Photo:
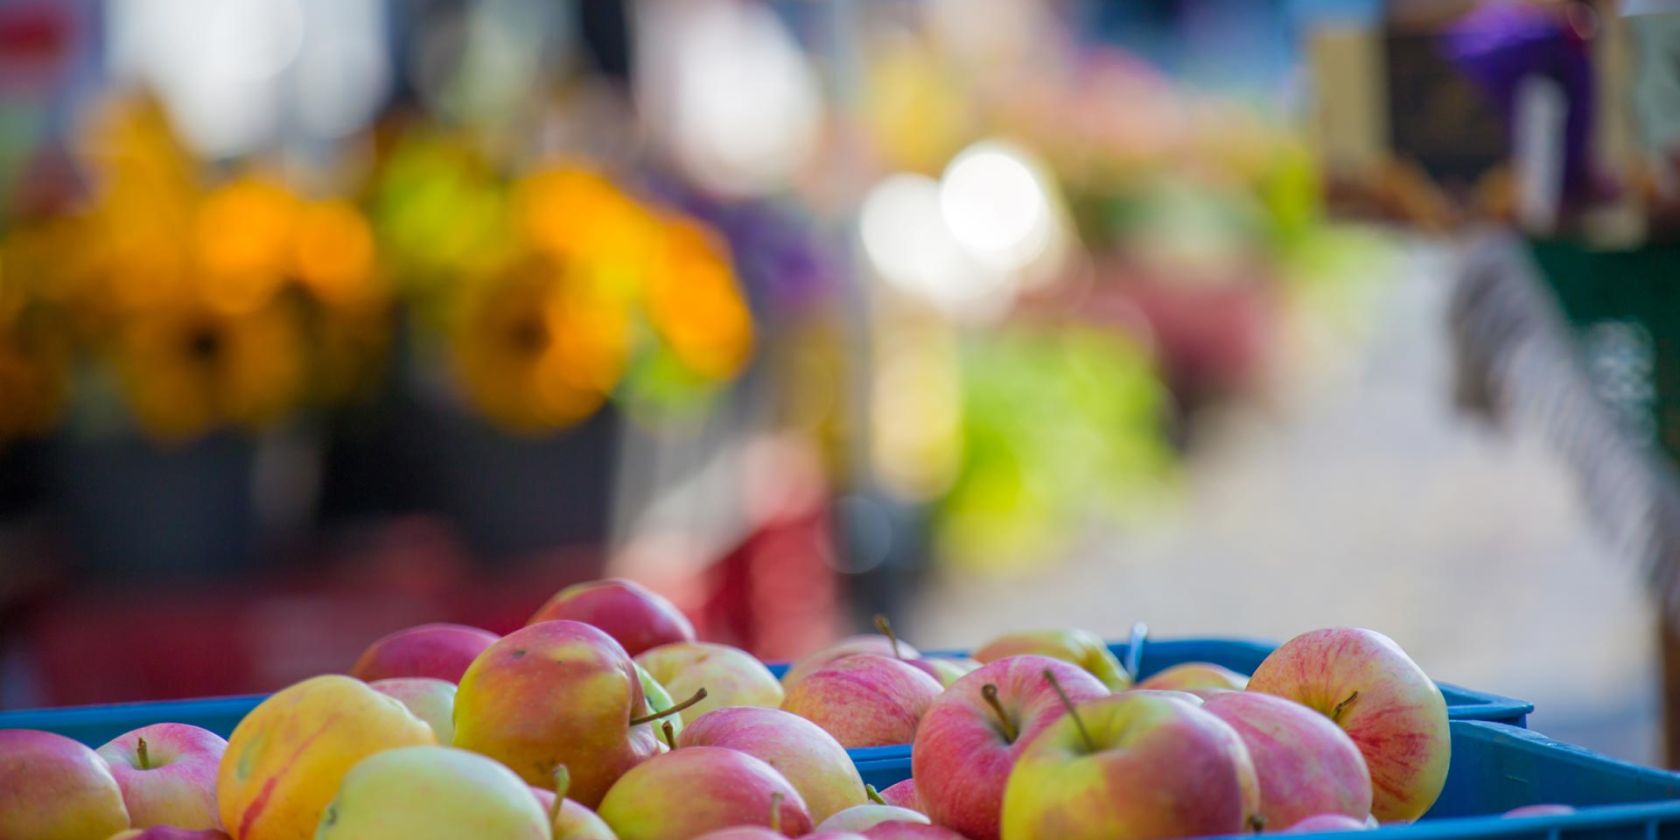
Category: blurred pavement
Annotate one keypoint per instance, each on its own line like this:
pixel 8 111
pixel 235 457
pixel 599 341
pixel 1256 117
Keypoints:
pixel 1364 498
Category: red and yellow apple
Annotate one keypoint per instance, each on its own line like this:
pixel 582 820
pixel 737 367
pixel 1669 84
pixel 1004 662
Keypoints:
pixel 53 788
pixel 1196 676
pixel 809 758
pixel 971 735
pixel 636 616
pixel 432 793
pixel 285 760
pixel 556 693
pixel 431 700
pixel 1129 767
pixel 440 651
pixel 864 700
pixel 1369 687
pixel 1306 765
pixel 869 815
pixel 731 676
pixel 904 795
pixel 874 643
pixel 1082 648
pixel 167 773
pixel 692 790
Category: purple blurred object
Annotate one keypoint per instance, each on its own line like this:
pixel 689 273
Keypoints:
pixel 1501 43
pixel 781 257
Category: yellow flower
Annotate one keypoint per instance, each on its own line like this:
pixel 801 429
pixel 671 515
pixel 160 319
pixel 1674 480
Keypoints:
pixel 695 305
pixel 540 345
pixel 242 243
pixel 570 212
pixel 332 254
pixel 190 367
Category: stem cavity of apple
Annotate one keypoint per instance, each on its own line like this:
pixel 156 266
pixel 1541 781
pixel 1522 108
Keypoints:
pixel 650 718
pixel 885 626
pixel 1067 702
pixel 874 795
pixel 1256 823
pixel 144 756
pixel 989 693
pixel 670 733
pixel 776 812
pixel 1336 713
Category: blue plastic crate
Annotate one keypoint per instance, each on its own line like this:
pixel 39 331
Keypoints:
pixel 94 725
pixel 1496 768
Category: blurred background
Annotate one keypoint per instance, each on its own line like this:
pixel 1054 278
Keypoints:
pixel 321 318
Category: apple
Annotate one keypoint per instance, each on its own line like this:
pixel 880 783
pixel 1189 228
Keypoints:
pixel 731 676
pixel 809 758
pixel 946 669
pixel 1196 676
pixel 970 737
pixel 876 644
pixel 167 773
pixel 432 793
pixel 1192 699
pixel 1370 688
pixel 53 788
pixel 864 700
pixel 285 760
pixel 431 700
pixel 440 651
pixel 636 616
pixel 693 790
pixel 904 795
pixel 1306 764
pixel 1544 810
pixel 572 820
pixel 1080 647
pixel 557 693
pixel 169 832
pixel 1131 766
pixel 906 830
pixel 861 817
pixel 1327 822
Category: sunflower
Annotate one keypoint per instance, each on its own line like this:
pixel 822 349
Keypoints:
pixel 540 345
pixel 695 305
pixel 189 367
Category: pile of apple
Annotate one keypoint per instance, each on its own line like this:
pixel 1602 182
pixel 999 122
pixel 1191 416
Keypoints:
pixel 604 718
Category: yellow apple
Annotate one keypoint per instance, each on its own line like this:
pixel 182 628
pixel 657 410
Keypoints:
pixel 286 759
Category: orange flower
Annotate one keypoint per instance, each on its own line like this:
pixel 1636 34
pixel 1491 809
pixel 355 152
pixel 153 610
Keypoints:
pixel 242 243
pixel 332 254
pixel 695 305
pixel 190 367
pixel 540 345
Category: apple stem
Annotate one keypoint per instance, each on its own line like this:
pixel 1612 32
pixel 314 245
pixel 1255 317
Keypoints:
pixel 776 812
pixel 988 692
pixel 1072 712
pixel 1256 823
pixel 562 784
pixel 698 696
pixel 670 733
pixel 885 626
pixel 145 757
pixel 874 795
pixel 1336 713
